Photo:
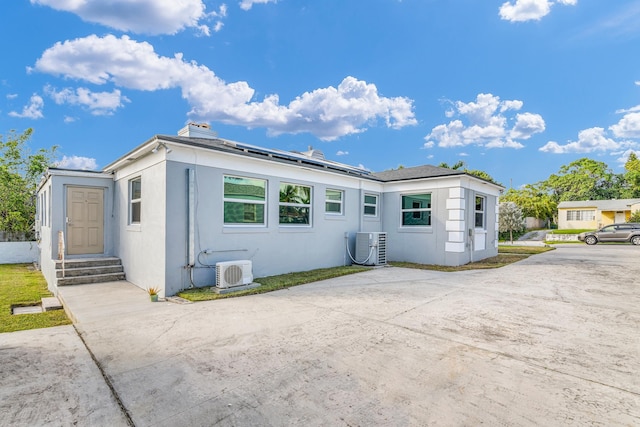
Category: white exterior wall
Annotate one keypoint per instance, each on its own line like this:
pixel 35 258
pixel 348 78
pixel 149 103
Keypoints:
pixel 18 252
pixel 53 219
pixel 448 240
pixel 142 247
pixel 155 252
pixel 272 248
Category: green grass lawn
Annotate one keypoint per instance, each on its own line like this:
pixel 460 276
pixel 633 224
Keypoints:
pixel 526 250
pixel 273 283
pixel 567 231
pixel 506 255
pixel 21 285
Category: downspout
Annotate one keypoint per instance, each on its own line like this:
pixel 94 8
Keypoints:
pixel 190 225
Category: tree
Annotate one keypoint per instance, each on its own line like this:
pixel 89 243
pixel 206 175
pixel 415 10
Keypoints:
pixel 19 174
pixel 458 165
pixel 475 172
pixel 510 218
pixel 632 176
pixel 534 200
pixel 584 179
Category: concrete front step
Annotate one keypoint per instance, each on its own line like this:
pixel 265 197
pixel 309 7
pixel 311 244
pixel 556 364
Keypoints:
pixel 83 280
pixel 89 271
pixel 87 262
pixel 80 271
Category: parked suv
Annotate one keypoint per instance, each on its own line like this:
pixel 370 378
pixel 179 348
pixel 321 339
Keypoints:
pixel 625 232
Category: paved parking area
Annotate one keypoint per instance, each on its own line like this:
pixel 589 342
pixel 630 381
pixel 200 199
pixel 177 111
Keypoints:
pixel 552 340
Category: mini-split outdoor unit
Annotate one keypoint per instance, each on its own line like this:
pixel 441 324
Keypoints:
pixel 371 248
pixel 233 273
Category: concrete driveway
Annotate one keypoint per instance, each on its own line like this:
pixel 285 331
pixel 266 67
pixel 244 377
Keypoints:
pixel 552 340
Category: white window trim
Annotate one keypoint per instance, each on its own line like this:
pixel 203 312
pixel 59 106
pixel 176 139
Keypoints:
pixel 255 202
pixel 365 204
pixel 297 205
pixel 337 202
pixel 403 210
pixel 132 201
pixel 483 212
pixel 580 214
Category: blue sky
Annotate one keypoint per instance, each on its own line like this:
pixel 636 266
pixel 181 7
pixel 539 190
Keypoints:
pixel 515 88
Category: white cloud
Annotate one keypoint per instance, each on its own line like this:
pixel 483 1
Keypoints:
pixel 77 162
pixel 485 123
pixel 218 26
pixel 69 119
pixel 504 143
pixel 629 110
pixel 529 10
pixel 342 153
pixel 589 140
pixel 140 16
pixel 527 125
pixel 99 103
pixel 12 95
pixel 625 156
pixel 328 113
pixel 33 110
pixel 220 14
pixel 628 126
pixel 247 4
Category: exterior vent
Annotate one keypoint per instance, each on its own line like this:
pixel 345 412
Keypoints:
pixel 233 273
pixel 371 248
pixel 198 130
pixel 314 153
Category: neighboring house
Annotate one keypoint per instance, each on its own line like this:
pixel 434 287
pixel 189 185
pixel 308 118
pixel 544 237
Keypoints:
pixel 592 214
pixel 176 205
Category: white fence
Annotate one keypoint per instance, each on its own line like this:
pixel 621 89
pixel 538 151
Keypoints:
pixel 18 252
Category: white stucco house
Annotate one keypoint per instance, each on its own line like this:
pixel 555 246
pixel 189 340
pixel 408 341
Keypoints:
pixel 175 206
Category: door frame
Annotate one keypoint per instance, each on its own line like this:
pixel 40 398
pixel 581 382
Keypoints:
pixel 67 188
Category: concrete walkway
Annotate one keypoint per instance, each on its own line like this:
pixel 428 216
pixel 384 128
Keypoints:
pixel 552 340
pixel 47 377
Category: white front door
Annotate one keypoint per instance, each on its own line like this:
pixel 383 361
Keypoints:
pixel 85 220
pixel 620 217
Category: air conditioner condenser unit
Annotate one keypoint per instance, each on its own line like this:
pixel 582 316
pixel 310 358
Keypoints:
pixel 230 274
pixel 371 248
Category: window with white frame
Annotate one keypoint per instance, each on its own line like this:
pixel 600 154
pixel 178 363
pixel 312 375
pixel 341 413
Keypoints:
pixel 480 211
pixel 295 204
pixel 244 200
pixel 416 210
pixel 581 215
pixel 43 208
pixel 370 205
pixel 135 200
pixel 48 208
pixel 334 202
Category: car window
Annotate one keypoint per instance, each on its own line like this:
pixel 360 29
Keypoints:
pixel 608 229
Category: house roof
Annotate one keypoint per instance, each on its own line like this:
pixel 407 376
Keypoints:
pixel 602 205
pixel 312 159
pixel 417 172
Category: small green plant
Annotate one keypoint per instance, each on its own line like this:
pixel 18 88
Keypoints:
pixel 635 216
